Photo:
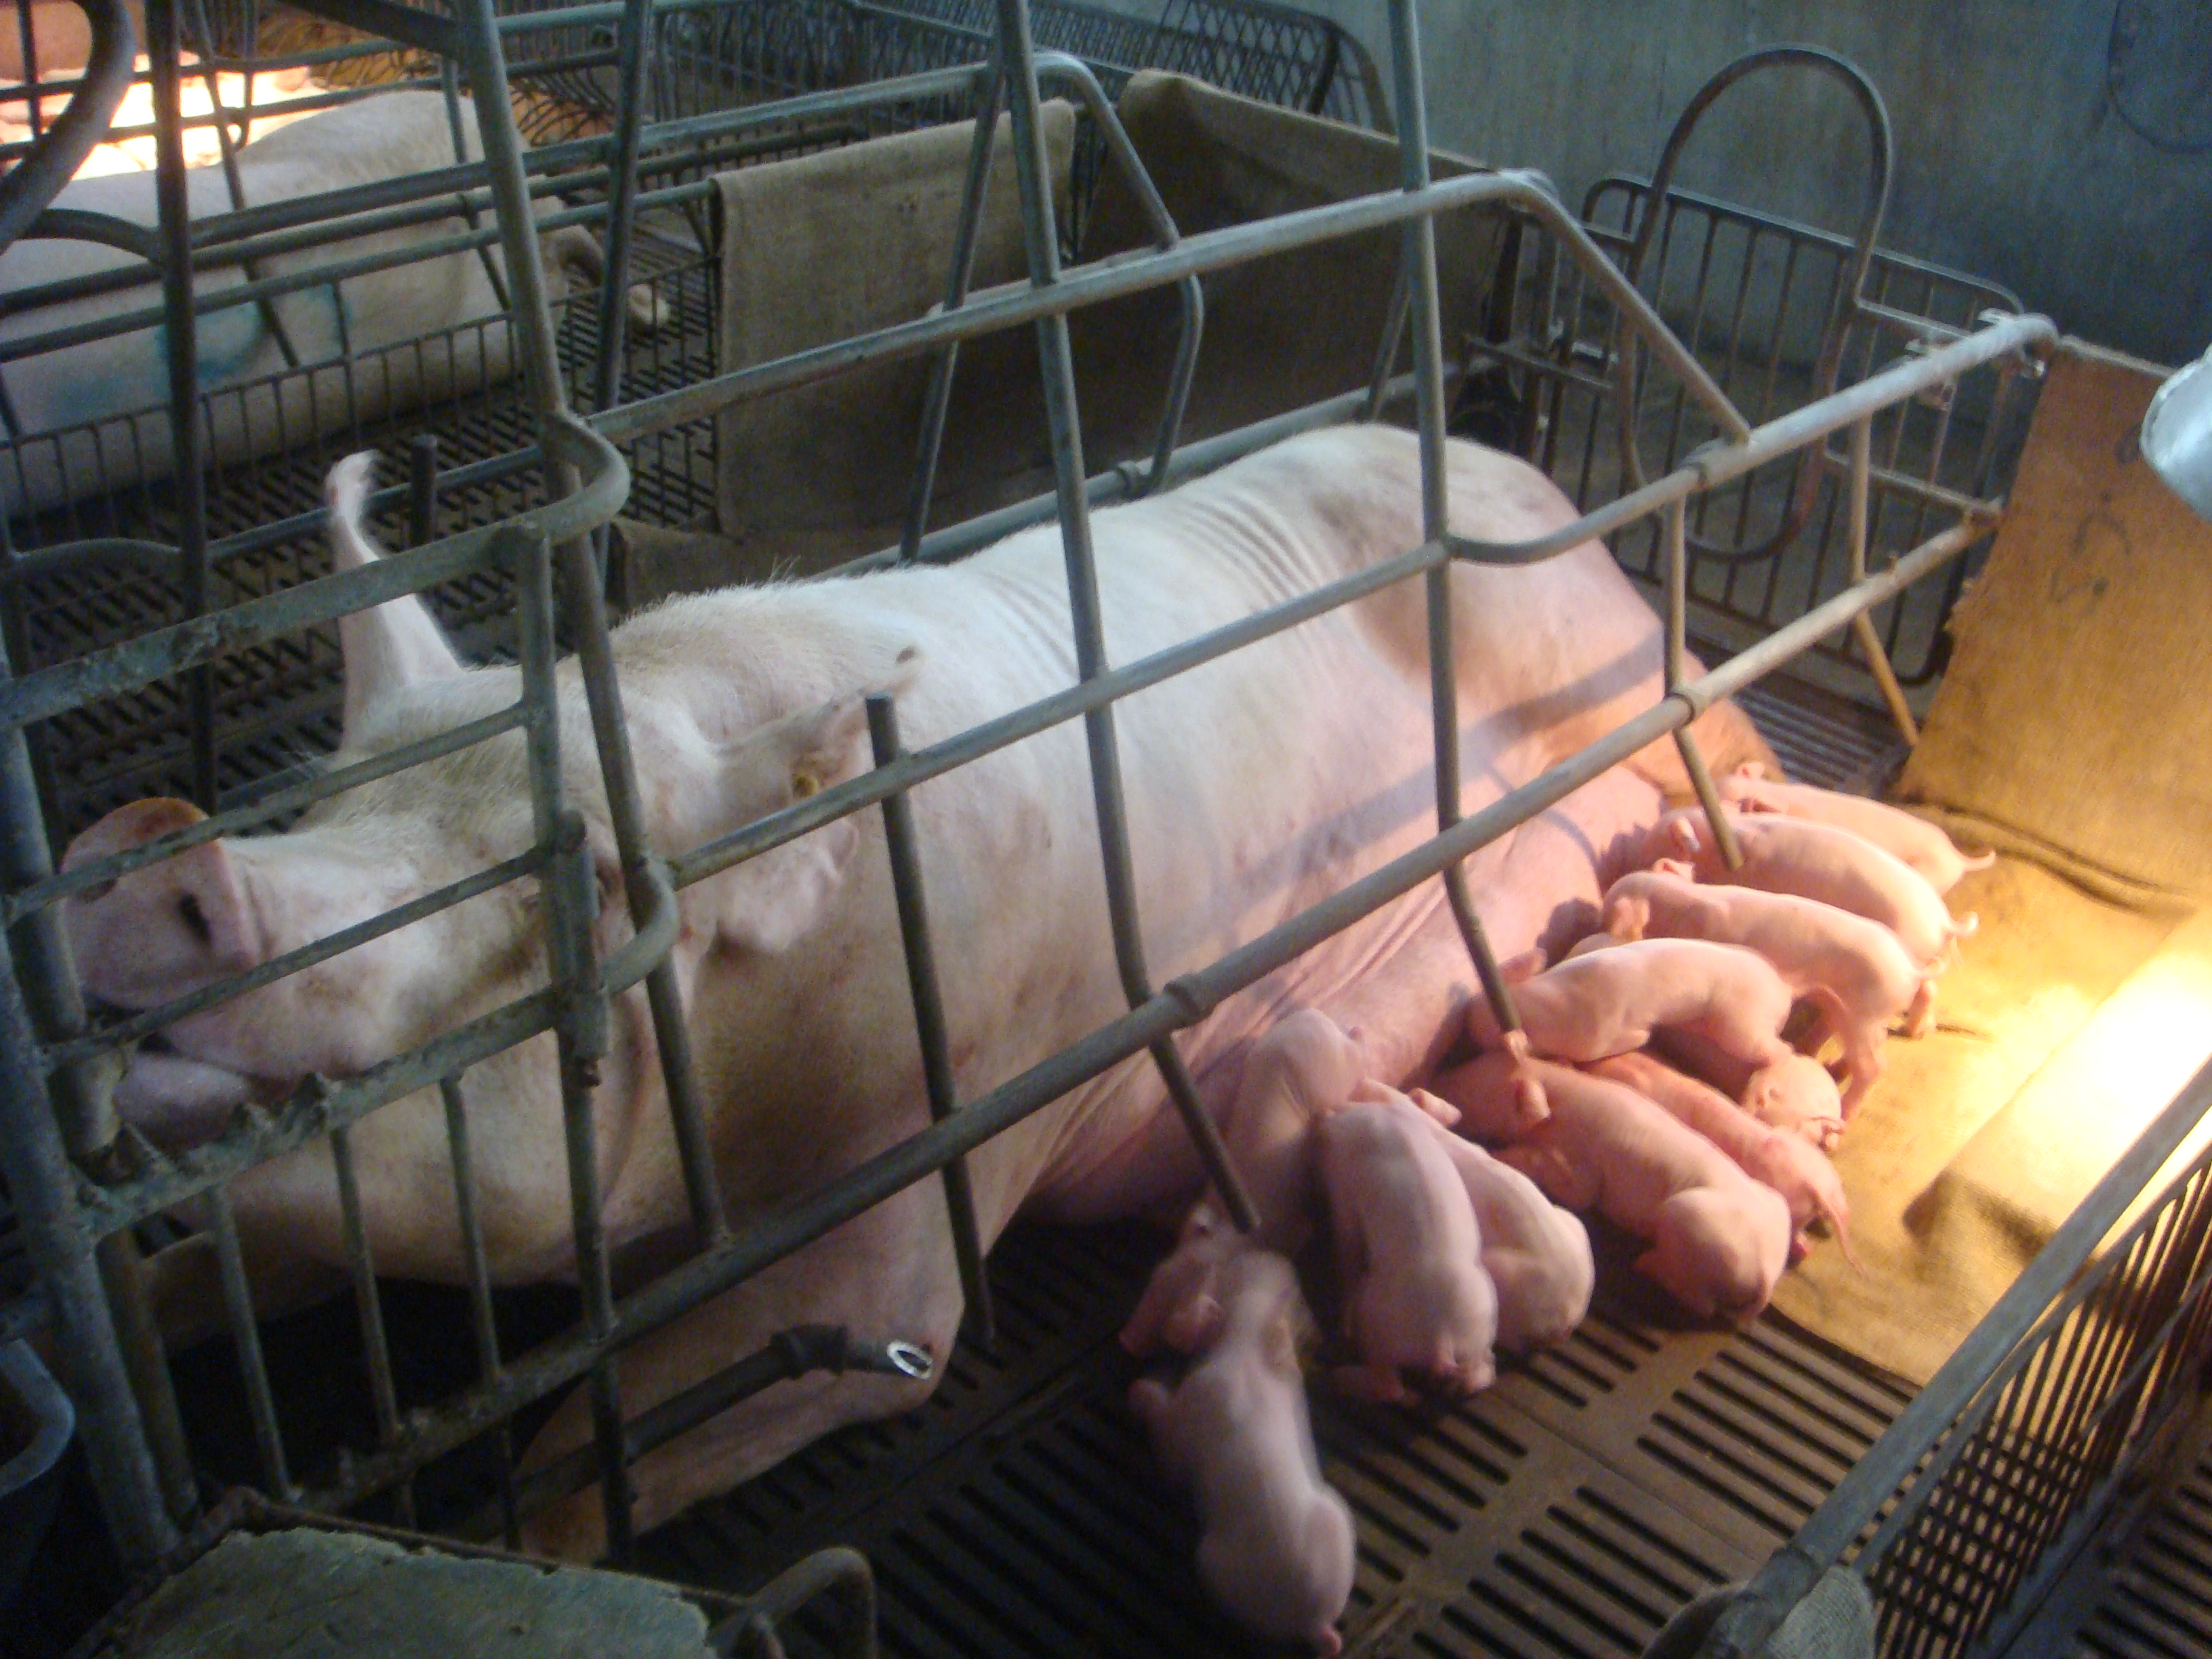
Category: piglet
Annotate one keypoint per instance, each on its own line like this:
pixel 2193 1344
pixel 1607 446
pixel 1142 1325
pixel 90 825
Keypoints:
pixel 1913 841
pixel 1610 1001
pixel 1416 1297
pixel 1276 1548
pixel 1774 1157
pixel 1817 861
pixel 1719 1240
pixel 1796 1094
pixel 1537 1255
pixel 1854 970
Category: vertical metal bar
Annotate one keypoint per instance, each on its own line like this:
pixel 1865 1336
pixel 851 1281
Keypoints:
pixel 422 488
pixel 1862 625
pixel 27 38
pixel 226 144
pixel 1676 537
pixel 238 1304
pixel 1018 66
pixel 939 399
pixel 42 1184
pixel 929 1018
pixel 631 92
pixel 1418 260
pixel 481 1319
pixel 449 83
pixel 180 331
pixel 361 1261
pixel 571 913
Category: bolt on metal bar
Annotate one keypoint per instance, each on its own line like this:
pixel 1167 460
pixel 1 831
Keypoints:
pixel 1017 69
pixel 180 345
pixel 1676 537
pixel 937 399
pixel 929 1019
pixel 1892 694
pixel 482 1321
pixel 1417 265
pixel 246 1335
pixel 360 1264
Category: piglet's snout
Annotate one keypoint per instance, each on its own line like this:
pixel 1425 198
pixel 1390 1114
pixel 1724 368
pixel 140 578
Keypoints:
pixel 168 929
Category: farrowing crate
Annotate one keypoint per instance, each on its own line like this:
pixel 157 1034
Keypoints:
pixel 67 1203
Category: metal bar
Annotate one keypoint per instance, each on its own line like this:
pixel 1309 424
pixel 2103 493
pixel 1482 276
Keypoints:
pixel 180 345
pixel 412 26
pixel 1417 264
pixel 1195 255
pixel 1182 1003
pixel 38 896
pixel 929 1019
pixel 636 44
pixel 145 1023
pixel 422 488
pixel 170 650
pixel 246 1334
pixel 1018 71
pixel 360 1264
pixel 54 155
pixel 40 1181
pixel 937 399
pixel 482 1320
pixel 1877 659
pixel 1674 537
pixel 226 144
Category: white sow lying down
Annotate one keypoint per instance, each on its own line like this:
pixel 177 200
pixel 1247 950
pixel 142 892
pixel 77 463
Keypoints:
pixel 1254 786
pixel 100 380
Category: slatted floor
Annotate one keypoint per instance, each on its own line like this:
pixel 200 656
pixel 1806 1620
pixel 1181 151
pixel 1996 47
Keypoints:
pixel 2157 1602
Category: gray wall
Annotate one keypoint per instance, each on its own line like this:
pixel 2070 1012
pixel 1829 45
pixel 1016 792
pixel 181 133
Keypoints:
pixel 2011 161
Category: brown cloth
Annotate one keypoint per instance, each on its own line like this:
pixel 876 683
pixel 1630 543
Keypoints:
pixel 821 248
pixel 2071 734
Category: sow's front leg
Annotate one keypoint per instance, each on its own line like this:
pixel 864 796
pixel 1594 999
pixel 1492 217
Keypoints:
pixel 886 1275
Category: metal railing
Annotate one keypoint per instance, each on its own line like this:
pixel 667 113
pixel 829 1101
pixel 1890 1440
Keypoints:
pixel 1978 1495
pixel 83 1180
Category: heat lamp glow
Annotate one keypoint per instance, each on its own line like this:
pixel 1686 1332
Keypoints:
pixel 269 92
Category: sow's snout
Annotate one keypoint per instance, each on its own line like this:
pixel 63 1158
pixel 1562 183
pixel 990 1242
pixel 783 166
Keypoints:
pixel 158 933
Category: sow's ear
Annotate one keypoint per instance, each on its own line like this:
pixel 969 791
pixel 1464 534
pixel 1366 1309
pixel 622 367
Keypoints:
pixel 771 901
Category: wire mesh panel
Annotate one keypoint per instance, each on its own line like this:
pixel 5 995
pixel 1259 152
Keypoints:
pixel 1752 296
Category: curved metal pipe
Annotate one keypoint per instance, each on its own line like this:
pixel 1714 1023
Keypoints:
pixel 54 160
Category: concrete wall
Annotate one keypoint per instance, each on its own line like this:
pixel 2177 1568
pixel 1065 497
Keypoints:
pixel 2014 160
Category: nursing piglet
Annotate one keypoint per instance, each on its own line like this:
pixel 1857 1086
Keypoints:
pixel 1719 1240
pixel 1816 861
pixel 1796 1094
pixel 1416 1297
pixel 1771 1157
pixel 1537 1255
pixel 1853 970
pixel 1912 840
pixel 1610 1001
pixel 1276 1548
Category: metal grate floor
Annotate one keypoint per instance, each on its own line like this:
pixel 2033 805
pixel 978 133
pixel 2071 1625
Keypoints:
pixel 1569 1510
pixel 2157 1600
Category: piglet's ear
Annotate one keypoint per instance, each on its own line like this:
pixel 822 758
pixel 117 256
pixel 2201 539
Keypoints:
pixel 390 646
pixel 1684 835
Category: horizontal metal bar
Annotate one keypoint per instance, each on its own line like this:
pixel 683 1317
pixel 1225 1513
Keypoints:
pixel 1180 1003
pixel 919 766
pixel 1122 274
pixel 427 31
pixel 318 1106
pixel 184 645
pixel 102 1039
pixel 14 907
pixel 1904 484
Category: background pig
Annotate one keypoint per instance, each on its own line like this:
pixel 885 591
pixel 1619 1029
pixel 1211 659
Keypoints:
pixel 1610 1001
pixel 1719 1239
pixel 1818 861
pixel 1277 1550
pixel 1772 1157
pixel 1537 1255
pixel 1853 970
pixel 1912 840
pixel 1416 1297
